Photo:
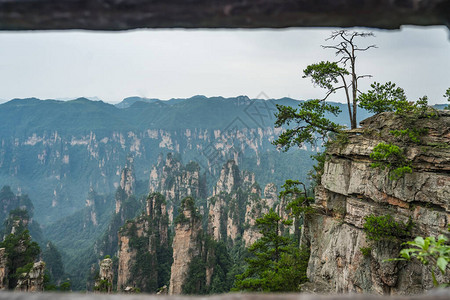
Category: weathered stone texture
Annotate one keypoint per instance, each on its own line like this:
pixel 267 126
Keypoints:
pixel 187 244
pixel 131 14
pixel 351 190
pixel 33 281
pixel 256 208
pixel 3 269
pixel 127 182
pixel 175 181
pixel 236 204
pixel 152 226
pixel 106 275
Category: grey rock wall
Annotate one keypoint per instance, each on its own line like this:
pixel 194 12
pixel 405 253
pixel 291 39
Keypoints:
pixel 351 190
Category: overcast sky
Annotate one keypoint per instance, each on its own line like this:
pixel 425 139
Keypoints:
pixel 181 63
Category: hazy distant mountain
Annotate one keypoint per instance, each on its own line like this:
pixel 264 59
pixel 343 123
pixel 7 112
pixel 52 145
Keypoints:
pixel 56 150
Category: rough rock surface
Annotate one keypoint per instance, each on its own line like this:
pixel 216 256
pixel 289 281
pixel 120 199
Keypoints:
pixel 442 294
pixel 33 281
pixel 256 208
pixel 106 275
pixel 3 269
pixel 147 235
pixel 176 181
pixel 351 190
pixel 127 181
pixel 186 245
pixel 236 203
pixel 131 14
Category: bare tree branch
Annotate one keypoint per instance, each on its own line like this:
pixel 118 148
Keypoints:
pixel 364 76
pixel 331 92
pixel 367 48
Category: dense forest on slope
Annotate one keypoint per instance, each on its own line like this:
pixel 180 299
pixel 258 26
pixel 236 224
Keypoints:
pixel 56 150
pixel 67 155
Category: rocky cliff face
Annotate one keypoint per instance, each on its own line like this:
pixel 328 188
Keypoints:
pixel 187 244
pixel 3 269
pixel 108 244
pixel 144 254
pixel 33 281
pixel 256 208
pixel 176 181
pixel 350 190
pixel 104 282
pixel 127 183
pixel 236 204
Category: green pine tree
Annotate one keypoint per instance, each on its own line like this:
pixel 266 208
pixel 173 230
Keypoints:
pixel 276 264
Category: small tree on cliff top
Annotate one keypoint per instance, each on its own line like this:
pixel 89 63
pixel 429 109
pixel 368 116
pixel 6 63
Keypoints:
pixel 331 76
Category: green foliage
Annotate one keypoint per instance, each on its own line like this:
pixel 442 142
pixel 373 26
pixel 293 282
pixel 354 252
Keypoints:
pixel 20 206
pixel 298 203
pixel 65 286
pixel 387 97
pixel 24 270
pixel 276 264
pixel 447 95
pixel 221 281
pixel 430 251
pixel 325 74
pixel 366 251
pixel 103 286
pixel 188 203
pixel 384 97
pixel 53 262
pixel 107 256
pixel 74 236
pixel 391 157
pixel 151 268
pixel 310 120
pixel 20 252
pixel 317 171
pixel 334 76
pixel 48 285
pixel 412 134
pixel 386 228
pixel 195 283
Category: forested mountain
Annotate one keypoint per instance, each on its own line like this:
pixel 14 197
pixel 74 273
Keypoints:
pixel 69 157
pixel 56 151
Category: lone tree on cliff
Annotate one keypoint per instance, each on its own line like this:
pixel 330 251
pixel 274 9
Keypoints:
pixel 332 76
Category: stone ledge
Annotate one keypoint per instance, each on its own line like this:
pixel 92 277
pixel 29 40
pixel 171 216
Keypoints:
pixel 132 14
pixel 433 295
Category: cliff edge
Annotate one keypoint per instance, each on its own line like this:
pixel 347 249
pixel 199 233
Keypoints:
pixel 343 258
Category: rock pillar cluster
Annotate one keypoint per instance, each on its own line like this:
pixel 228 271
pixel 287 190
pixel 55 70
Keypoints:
pixel 143 246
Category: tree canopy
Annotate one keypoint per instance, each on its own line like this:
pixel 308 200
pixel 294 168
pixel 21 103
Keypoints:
pixel 340 75
pixel 276 263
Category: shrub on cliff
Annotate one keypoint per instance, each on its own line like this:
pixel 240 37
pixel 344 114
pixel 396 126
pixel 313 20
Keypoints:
pixel 386 228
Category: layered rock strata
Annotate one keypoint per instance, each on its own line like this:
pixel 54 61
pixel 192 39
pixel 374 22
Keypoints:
pixel 351 189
